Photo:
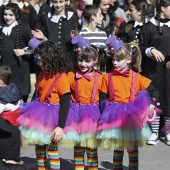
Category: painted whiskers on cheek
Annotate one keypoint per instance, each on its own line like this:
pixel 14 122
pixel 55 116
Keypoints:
pixel 120 64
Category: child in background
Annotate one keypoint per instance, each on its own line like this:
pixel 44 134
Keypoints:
pixel 93 16
pixel 108 22
pixel 56 26
pixel 10 139
pixel 9 96
pixel 42 120
pixel 85 85
pixel 125 111
pixel 97 37
pixel 130 31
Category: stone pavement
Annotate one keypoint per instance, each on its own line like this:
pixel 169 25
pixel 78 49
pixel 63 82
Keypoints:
pixel 150 158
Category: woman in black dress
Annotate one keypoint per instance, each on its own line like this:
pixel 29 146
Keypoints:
pixel 14 37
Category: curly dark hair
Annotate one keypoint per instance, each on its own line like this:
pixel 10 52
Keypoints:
pixel 52 56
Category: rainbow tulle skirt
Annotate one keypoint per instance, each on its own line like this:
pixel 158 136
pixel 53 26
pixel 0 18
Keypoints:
pixel 37 122
pixel 123 125
pixel 81 125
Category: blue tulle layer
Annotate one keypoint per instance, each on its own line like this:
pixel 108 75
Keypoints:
pixel 82 119
pixel 122 125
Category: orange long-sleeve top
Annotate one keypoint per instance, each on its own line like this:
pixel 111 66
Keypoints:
pixel 122 86
pixel 61 87
pixel 85 87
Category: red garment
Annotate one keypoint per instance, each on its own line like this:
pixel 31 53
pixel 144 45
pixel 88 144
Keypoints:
pixel 11 116
pixel 118 22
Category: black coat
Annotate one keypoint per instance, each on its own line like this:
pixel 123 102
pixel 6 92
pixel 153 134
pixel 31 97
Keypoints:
pixel 18 65
pixel 154 70
pixel 60 32
pixel 29 18
pixel 133 34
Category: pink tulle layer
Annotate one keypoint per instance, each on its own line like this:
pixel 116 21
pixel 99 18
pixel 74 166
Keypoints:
pixel 40 116
pixel 122 115
pixel 83 118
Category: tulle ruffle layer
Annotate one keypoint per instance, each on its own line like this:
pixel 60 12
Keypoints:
pixel 120 124
pixel 82 119
pixel 37 122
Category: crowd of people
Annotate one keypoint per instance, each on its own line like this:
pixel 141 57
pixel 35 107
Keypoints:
pixel 102 79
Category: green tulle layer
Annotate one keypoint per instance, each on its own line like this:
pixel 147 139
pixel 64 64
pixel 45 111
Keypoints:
pixel 116 138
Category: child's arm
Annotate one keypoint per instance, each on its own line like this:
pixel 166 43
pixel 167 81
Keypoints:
pixel 64 108
pixel 102 96
pixel 154 94
pixel 39 34
pixel 154 97
pixel 63 112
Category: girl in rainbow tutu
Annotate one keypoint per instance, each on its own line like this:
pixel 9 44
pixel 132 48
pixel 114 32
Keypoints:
pixel 130 100
pixel 84 113
pixel 42 120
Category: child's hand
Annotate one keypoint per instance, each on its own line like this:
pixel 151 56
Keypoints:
pixel 135 42
pixel 151 108
pixel 19 52
pixel 152 113
pixel 158 55
pixel 57 134
pixel 73 33
pixel 38 34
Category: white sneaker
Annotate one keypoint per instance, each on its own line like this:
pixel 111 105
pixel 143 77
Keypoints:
pixel 167 139
pixel 153 140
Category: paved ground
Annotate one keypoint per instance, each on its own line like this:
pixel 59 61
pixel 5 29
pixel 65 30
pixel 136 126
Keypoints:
pixel 150 157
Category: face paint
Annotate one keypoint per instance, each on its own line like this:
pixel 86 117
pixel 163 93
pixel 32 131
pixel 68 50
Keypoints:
pixel 120 64
pixel 85 65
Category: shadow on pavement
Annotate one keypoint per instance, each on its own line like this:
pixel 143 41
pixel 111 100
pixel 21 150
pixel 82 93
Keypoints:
pixel 66 164
pixel 30 163
pixel 108 165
